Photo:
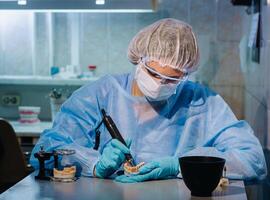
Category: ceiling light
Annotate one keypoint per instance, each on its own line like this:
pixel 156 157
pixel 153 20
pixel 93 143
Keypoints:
pixel 102 6
pixel 100 2
pixel 80 11
pixel 22 2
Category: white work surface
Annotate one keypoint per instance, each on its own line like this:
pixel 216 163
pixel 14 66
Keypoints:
pixel 29 130
pixel 94 188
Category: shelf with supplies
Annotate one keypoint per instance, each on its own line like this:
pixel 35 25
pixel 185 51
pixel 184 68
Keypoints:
pixel 43 80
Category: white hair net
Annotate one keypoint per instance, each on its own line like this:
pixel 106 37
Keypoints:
pixel 169 42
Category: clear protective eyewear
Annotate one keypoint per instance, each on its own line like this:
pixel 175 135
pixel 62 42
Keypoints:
pixel 163 78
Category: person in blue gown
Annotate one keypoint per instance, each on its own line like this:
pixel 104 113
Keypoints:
pixel 160 113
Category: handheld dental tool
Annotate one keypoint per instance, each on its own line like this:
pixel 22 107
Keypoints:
pixel 115 134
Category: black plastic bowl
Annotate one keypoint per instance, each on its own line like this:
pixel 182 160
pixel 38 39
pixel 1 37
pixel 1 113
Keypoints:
pixel 201 174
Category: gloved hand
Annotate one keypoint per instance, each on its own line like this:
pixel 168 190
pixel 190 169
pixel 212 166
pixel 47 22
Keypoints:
pixel 157 169
pixel 112 157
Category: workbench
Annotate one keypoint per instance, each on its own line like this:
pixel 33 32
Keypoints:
pixel 98 189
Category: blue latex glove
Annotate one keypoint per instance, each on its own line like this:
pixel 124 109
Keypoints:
pixel 157 169
pixel 112 158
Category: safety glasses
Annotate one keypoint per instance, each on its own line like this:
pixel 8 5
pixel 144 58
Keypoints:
pixel 163 78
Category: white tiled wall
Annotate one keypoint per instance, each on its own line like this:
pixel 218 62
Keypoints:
pixel 16 43
pixel 103 40
pixel 42 48
pixel 266 58
pixel 257 85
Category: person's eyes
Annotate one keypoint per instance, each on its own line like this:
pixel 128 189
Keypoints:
pixel 170 82
pixel 153 74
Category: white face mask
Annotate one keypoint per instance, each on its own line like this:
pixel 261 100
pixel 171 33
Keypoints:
pixel 151 88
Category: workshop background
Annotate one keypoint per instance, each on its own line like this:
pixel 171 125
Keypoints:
pixel 33 44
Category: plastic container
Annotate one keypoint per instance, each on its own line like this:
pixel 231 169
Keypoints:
pixel 66 171
pixel 54 70
pixel 57 98
pixel 91 71
pixel 201 174
pixel 56 105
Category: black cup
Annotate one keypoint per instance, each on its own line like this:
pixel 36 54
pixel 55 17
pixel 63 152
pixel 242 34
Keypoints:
pixel 201 174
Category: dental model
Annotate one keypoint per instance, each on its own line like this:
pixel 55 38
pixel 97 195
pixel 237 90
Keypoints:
pixel 130 170
pixel 223 182
pixel 66 173
pixel 222 185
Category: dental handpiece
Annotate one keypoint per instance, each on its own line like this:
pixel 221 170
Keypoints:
pixel 114 132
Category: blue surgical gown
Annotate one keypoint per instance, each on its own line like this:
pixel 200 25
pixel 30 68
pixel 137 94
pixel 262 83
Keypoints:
pixel 193 121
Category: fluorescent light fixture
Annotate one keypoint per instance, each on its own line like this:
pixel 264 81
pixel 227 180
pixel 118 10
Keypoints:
pixel 96 6
pixel 22 2
pixel 100 2
pixel 80 11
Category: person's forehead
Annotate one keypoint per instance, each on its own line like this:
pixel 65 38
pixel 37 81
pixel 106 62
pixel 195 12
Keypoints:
pixel 165 70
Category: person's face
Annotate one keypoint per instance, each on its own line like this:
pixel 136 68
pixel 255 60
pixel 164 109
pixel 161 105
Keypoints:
pixel 166 71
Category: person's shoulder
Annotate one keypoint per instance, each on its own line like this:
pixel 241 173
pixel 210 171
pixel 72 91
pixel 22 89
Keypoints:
pixel 122 79
pixel 106 82
pixel 204 93
pixel 198 90
pixel 196 94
